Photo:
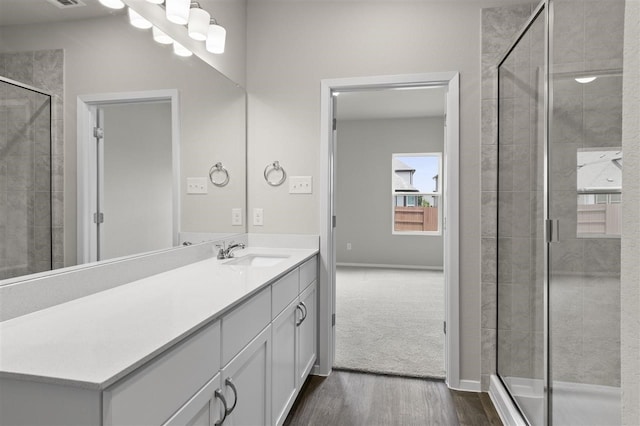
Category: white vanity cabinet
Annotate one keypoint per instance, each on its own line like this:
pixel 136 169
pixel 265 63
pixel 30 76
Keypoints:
pixel 206 408
pixel 294 336
pixel 246 349
pixel 154 392
pixel 244 367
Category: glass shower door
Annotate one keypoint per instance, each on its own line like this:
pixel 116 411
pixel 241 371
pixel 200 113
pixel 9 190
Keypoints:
pixel 585 196
pixel 25 180
pixel 521 208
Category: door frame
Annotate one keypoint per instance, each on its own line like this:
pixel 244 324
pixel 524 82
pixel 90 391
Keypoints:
pixel 87 170
pixel 326 338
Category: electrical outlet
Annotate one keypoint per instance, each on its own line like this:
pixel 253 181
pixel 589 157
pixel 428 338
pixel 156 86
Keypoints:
pixel 236 217
pixel 348 246
pixel 300 185
pixel 197 185
pixel 258 218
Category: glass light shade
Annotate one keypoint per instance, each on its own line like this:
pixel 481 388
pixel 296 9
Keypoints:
pixel 112 4
pixel 198 23
pixel 178 11
pixel 585 80
pixel 138 21
pixel 160 36
pixel 216 38
pixel 180 50
pixel 156 1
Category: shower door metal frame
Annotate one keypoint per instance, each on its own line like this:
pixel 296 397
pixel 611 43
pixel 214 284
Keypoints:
pixel 542 9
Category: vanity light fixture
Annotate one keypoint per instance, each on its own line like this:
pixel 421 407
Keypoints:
pixel 160 36
pixel 177 11
pixel 180 50
pixel 216 37
pixel 585 80
pixel 198 22
pixel 112 4
pixel 138 21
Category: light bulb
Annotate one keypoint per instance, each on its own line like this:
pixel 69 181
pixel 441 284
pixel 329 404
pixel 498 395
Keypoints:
pixel 112 4
pixel 138 21
pixel 160 36
pixel 156 1
pixel 198 23
pixel 177 11
pixel 180 50
pixel 216 38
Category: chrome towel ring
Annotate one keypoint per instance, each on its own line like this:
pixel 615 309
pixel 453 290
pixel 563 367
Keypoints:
pixel 219 169
pixel 274 167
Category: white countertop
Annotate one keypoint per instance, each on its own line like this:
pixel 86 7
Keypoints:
pixel 93 341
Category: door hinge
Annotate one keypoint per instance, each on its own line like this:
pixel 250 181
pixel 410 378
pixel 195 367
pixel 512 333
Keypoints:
pixel 335 124
pixel 444 323
pixel 333 319
pixel 333 221
pixel 98 217
pixel 98 132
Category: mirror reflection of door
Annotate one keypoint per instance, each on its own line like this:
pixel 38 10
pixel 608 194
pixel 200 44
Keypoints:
pixel 134 179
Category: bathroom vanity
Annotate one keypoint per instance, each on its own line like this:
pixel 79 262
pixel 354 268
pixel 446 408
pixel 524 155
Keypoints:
pixel 212 342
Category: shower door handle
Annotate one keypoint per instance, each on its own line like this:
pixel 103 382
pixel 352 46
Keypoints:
pixel 553 230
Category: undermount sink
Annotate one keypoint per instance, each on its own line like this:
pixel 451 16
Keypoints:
pixel 257 260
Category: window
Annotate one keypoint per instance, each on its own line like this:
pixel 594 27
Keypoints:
pixel 599 185
pixel 417 193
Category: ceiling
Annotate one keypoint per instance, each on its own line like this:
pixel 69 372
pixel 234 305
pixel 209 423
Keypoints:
pixel 391 103
pixel 21 12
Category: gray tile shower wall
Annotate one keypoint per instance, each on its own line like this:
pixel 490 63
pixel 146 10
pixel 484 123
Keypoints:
pixel 31 192
pixel 499 27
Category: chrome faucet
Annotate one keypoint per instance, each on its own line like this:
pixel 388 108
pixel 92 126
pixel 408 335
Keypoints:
pixel 227 253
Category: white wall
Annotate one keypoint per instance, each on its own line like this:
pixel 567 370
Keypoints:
pixel 292 46
pixel 630 278
pixel 363 191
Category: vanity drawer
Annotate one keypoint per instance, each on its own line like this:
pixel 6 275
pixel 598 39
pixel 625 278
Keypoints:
pixel 244 323
pixel 283 292
pixel 150 395
pixel 308 273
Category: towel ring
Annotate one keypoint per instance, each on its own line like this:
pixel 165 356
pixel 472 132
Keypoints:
pixel 219 168
pixel 275 166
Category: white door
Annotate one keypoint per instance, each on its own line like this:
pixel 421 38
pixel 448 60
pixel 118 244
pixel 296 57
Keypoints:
pixel 134 199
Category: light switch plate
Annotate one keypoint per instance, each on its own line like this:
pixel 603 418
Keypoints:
pixel 236 217
pixel 258 218
pixel 300 185
pixel 197 185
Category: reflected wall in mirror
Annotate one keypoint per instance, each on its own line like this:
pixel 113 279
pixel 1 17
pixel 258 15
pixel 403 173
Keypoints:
pixel 105 55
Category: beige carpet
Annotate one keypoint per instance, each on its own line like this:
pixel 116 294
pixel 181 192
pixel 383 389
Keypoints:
pixel 390 321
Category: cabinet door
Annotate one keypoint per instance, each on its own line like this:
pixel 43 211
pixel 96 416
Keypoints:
pixel 307 334
pixel 206 408
pixel 284 380
pixel 246 380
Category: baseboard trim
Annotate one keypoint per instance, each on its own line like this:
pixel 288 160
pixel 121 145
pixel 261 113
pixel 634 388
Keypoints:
pixel 387 266
pixel 468 386
pixel 508 413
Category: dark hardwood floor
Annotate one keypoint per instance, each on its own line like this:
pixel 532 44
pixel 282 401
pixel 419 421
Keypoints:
pixel 352 399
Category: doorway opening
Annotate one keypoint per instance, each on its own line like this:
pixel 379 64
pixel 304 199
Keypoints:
pixel 332 245
pixel 128 174
pixel 389 251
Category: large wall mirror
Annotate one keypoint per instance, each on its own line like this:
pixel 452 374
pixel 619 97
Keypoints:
pixel 91 57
